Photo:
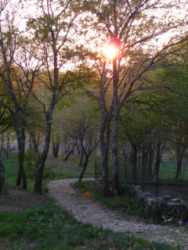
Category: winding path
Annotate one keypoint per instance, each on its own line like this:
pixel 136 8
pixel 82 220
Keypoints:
pixel 89 212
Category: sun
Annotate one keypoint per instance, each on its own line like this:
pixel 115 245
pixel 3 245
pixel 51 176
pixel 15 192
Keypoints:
pixel 110 51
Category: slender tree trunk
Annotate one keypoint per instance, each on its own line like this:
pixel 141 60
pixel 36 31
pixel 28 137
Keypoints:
pixel 40 164
pixel 157 161
pixel 2 148
pixel 21 179
pixel 55 148
pixel 104 138
pixel 104 135
pixel 2 176
pixel 115 156
pixel 39 175
pixel 85 164
pixel 179 160
pixel 68 155
pixel 96 168
pixel 114 133
pixel 40 172
pixel 134 162
pixel 7 145
pixel 179 167
pixel 150 162
pixel 81 158
pixel 144 163
pixel 104 148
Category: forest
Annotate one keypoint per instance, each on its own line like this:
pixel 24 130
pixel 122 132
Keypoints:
pixel 93 124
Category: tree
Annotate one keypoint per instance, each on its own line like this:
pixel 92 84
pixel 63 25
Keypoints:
pixel 175 77
pixel 132 30
pixel 5 123
pixel 80 128
pixel 156 119
pixel 17 74
pixel 52 31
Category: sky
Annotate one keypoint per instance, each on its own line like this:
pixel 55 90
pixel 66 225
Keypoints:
pixel 28 8
pixel 25 9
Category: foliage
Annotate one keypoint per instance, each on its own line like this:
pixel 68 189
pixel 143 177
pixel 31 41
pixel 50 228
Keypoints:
pixel 48 227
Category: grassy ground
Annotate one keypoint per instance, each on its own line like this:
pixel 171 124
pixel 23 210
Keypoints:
pixel 49 228
pixel 168 171
pixel 11 167
pixel 68 169
pixel 58 169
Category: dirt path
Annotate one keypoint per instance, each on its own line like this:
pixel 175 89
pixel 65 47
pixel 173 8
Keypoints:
pixel 89 212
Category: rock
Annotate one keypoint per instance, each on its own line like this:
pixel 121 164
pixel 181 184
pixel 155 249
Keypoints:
pixel 166 208
pixel 134 189
pixel 166 197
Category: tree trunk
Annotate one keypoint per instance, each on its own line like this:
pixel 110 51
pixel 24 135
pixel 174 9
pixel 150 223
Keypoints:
pixel 40 164
pixel 144 163
pixel 114 133
pixel 104 135
pixel 104 152
pixel 115 156
pixel 55 147
pixel 179 160
pixel 179 167
pixel 2 176
pixel 81 152
pixel 134 162
pixel 85 164
pixel 104 148
pixel 150 162
pixel 21 180
pixel 39 176
pixel 157 161
pixel 2 148
pixel 67 156
pixel 7 145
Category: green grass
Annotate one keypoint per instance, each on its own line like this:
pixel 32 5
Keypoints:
pixel 55 169
pixel 49 228
pixel 168 171
pixel 59 169
pixel 11 166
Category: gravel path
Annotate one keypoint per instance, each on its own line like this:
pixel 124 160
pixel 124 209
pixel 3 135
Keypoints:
pixel 89 212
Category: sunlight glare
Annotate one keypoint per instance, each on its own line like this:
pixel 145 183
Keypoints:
pixel 110 51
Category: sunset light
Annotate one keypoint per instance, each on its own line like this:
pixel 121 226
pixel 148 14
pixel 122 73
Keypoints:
pixel 111 50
